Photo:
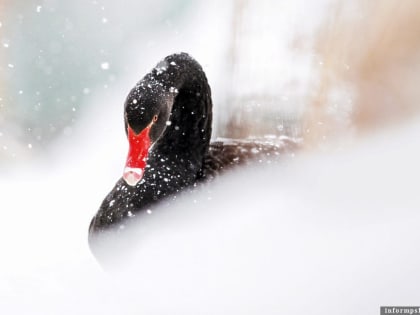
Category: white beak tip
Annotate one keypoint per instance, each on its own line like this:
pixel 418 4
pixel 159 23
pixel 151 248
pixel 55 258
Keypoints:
pixel 132 175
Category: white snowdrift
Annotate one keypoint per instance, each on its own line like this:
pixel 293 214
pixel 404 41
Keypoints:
pixel 334 233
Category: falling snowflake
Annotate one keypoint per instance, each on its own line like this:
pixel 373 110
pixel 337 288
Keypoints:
pixel 104 65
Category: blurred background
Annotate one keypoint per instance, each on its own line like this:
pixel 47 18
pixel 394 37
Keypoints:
pixel 316 71
pixel 339 77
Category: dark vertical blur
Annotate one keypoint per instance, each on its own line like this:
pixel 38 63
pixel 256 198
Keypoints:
pixel 323 70
pixel 260 88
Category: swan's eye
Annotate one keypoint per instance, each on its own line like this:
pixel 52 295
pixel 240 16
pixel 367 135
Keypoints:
pixel 155 118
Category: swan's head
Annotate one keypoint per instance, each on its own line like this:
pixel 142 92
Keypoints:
pixel 147 110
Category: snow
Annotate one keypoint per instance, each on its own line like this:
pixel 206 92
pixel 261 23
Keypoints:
pixel 322 231
pixel 104 65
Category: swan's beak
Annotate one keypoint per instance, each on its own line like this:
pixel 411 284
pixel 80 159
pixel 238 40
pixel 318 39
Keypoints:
pixel 132 175
pixel 135 165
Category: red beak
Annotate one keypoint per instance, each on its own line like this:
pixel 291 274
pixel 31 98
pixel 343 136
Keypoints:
pixel 137 155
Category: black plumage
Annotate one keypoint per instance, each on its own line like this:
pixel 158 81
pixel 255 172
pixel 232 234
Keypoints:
pixel 177 97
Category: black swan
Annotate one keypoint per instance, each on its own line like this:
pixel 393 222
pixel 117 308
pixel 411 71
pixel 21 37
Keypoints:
pixel 168 121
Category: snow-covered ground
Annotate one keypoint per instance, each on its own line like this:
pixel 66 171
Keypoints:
pixel 317 233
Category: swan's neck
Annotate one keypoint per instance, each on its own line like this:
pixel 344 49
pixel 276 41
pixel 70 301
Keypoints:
pixel 188 130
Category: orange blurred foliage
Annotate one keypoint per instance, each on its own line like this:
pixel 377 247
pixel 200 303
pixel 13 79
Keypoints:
pixel 372 50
